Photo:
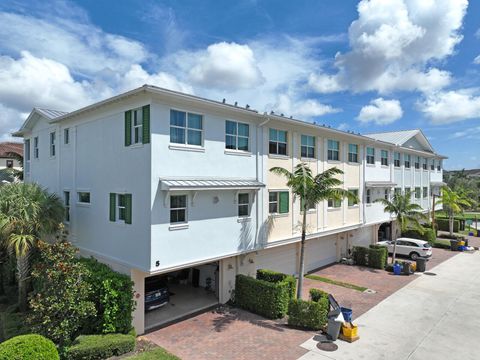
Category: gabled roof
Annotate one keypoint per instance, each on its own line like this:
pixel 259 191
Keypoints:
pixel 400 138
pixel 51 114
pixel 35 114
pixel 10 147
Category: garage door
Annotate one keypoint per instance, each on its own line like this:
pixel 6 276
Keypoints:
pixel 281 258
pixel 320 252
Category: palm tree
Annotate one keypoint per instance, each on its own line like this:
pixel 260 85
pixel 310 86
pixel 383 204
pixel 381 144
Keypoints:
pixel 407 214
pixel 27 212
pixel 311 190
pixel 453 203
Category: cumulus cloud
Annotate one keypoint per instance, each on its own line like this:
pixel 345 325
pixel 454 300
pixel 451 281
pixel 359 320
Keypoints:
pixel 393 44
pixel 304 109
pixel 381 112
pixel 477 60
pixel 467 133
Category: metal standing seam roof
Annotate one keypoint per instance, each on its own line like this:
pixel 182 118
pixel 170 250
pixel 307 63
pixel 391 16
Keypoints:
pixel 51 114
pixel 209 184
pixel 394 137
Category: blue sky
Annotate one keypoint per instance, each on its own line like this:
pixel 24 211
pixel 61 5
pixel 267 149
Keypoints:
pixel 367 66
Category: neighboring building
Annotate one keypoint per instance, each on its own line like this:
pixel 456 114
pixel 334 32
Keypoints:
pixel 160 182
pixel 7 158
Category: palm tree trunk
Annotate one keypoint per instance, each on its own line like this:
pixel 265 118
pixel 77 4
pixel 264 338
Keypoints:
pixel 23 276
pixel 450 225
pixel 394 254
pixel 301 271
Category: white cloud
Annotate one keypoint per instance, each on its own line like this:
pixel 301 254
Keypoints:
pixel 304 109
pixel 381 112
pixel 467 133
pixel 477 60
pixel 451 106
pixel 393 44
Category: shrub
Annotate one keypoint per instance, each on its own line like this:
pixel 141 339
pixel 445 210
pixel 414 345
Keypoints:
pixel 275 277
pixel 262 297
pixel 60 302
pixel 97 347
pixel 378 256
pixel 440 245
pixel 113 298
pixel 428 234
pixel 375 257
pixel 360 255
pixel 31 347
pixel 317 294
pixel 310 315
pixel 443 225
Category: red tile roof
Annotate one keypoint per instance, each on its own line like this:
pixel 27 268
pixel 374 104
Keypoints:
pixel 7 147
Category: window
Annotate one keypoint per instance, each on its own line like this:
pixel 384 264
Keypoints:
pixel 386 194
pixel 236 136
pixel 397 191
pixel 27 155
pixel 178 209
pixel 308 147
pixel 432 165
pixel 278 202
pixel 35 147
pixel 370 155
pixel 384 157
pixel 353 153
pixel 417 162
pixel 121 208
pixel 417 193
pixel 278 142
pixel 425 192
pixel 243 205
pixel 9 163
pixel 83 197
pixel 439 166
pixel 66 136
pixel 334 203
pixel 66 202
pixel 406 161
pixel 424 164
pixel 369 196
pixel 353 202
pixel 52 143
pixel 396 159
pixel 186 128
pixel 408 192
pixel 333 152
pixel 137 126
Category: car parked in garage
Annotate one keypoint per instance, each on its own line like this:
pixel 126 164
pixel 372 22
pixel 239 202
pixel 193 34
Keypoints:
pixel 156 292
pixel 413 248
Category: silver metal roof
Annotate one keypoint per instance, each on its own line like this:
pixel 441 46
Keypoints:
pixel 379 184
pixel 51 114
pixel 209 184
pixel 394 137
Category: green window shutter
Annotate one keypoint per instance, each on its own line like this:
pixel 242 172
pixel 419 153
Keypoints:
pixel 146 124
pixel 128 208
pixel 128 128
pixel 284 202
pixel 113 198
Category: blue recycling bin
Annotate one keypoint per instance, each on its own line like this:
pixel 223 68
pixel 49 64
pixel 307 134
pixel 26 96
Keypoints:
pixel 347 314
pixel 397 269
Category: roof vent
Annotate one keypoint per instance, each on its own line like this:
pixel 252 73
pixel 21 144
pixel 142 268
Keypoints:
pixel 223 101
pixel 236 103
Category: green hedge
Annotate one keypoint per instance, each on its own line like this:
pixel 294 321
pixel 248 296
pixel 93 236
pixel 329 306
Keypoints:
pixel 261 297
pixel 428 234
pixel 443 224
pixel 379 254
pixel 28 347
pixel 310 315
pixel 275 277
pixel 375 257
pixel 113 299
pixel 98 347
pixel 440 245
pixel 317 294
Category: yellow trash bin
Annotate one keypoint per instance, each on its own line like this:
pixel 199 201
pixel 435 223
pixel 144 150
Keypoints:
pixel 349 330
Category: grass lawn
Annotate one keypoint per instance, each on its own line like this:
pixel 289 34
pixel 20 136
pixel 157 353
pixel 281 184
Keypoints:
pixel 154 354
pixel 335 282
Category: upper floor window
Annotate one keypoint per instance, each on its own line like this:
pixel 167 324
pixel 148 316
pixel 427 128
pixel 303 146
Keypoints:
pixel 353 202
pixel 369 196
pixel 424 164
pixel 406 161
pixel 66 202
pixel 186 128
pixel 278 142
pixel 408 192
pixel 425 192
pixel 308 146
pixel 353 153
pixel 384 158
pixel 386 194
pixel 370 155
pixel 397 191
pixel 396 159
pixel 243 205
pixel 334 203
pixel 83 197
pixel 237 135
pixel 137 126
pixel 439 165
pixel 333 151
pixel 432 165
pixel 278 202
pixel 417 162
pixel 35 147
pixel 417 193
pixel 66 136
pixel 178 209
pixel 52 143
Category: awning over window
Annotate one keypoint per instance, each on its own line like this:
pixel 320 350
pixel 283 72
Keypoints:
pixel 209 184
pixel 437 183
pixel 379 184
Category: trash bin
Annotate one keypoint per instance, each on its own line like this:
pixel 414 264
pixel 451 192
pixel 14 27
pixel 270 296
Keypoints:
pixel 335 319
pixel 347 314
pixel 397 269
pixel 421 264
pixel 406 268
pixel 454 245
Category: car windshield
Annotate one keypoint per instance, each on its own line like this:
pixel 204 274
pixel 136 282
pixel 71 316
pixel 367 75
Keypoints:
pixel 427 245
pixel 154 284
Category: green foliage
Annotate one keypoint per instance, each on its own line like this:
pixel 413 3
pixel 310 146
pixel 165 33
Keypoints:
pixel 28 347
pixel 98 347
pixel 59 304
pixel 113 298
pixel 428 234
pixel 13 323
pixel 443 225
pixel 262 297
pixel 310 315
pixel 441 245
pixel 336 282
pixel 154 354
pixel 372 257
pixel 275 277
pixel 317 294
pixel 383 248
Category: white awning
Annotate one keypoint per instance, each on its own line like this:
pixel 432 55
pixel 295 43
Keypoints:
pixel 437 183
pixel 379 184
pixel 209 184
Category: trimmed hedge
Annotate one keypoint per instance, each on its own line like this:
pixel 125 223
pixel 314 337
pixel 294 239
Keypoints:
pixel 443 225
pixel 428 234
pixel 375 257
pixel 28 347
pixel 261 297
pixel 440 245
pixel 275 277
pixel 379 254
pixel 310 315
pixel 97 347
pixel 317 294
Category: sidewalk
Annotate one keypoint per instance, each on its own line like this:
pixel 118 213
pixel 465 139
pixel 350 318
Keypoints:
pixel 433 317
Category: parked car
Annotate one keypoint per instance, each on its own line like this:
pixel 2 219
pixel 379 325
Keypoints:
pixel 412 248
pixel 156 293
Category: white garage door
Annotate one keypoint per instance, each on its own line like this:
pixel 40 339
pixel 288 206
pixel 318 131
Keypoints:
pixel 280 258
pixel 320 252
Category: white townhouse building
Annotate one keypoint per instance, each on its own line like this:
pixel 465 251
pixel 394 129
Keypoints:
pixel 164 185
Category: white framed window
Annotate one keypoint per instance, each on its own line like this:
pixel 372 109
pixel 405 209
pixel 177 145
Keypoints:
pixel 66 202
pixel 307 149
pixel 408 192
pixel 425 192
pixel 66 136
pixel 121 207
pixel 178 209
pixel 417 162
pixel 396 159
pixel 278 202
pixel 334 203
pixel 371 155
pixel 52 143
pixel 425 164
pixel 244 205
pixel 237 136
pixel 333 150
pixel 368 196
pixel 277 144
pixel 83 197
pixel 384 157
pixel 386 194
pixel 353 153
pixel 137 126
pixel 353 202
pixel 432 165
pixel 35 147
pixel 417 192
pixel 406 160
pixel 186 128
pixel 439 165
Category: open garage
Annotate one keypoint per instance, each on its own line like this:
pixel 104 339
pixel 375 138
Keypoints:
pixel 179 294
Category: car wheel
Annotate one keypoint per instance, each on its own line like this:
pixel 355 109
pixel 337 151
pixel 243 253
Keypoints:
pixel 414 256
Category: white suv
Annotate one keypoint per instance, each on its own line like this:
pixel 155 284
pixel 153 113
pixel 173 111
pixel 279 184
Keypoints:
pixel 412 248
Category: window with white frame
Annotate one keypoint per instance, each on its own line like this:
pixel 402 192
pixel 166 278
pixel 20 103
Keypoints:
pixel 236 135
pixel 277 144
pixel 121 207
pixel 83 197
pixel 307 146
pixel 35 147
pixel 418 193
pixel 353 202
pixel 417 162
pixel 425 164
pixel 439 165
pixel 333 150
pixel 66 136
pixel 186 128
pixel 408 192
pixel 425 192
pixel 396 159
pixel 384 157
pixel 334 203
pixel 386 194
pixel 137 126
pixel 397 191
pixel 406 160
pixel 244 205
pixel 353 153
pixel 278 202
pixel 178 209
pixel 371 155
pixel 66 202
pixel 368 196
pixel 52 143
pixel 432 164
